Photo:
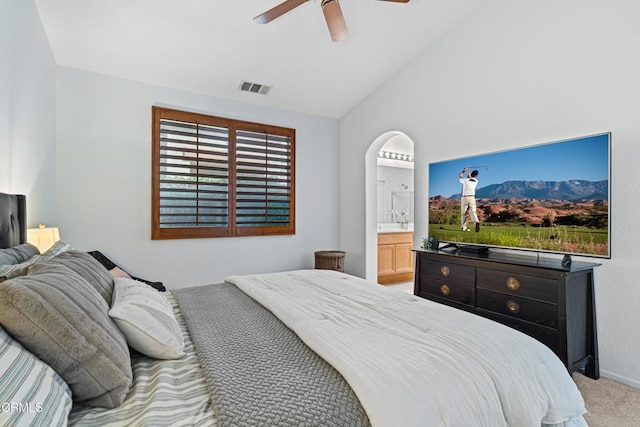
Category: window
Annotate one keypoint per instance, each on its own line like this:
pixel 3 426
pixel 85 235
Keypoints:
pixel 217 177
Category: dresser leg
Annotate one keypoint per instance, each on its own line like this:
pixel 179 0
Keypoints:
pixel 592 369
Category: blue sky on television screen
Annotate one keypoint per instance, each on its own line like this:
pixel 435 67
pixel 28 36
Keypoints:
pixel 584 158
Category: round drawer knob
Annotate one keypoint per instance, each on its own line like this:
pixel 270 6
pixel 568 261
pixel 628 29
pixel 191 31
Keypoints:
pixel 444 290
pixel 445 270
pixel 513 284
pixel 513 306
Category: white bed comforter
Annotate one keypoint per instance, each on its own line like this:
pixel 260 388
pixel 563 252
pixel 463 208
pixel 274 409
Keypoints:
pixel 413 362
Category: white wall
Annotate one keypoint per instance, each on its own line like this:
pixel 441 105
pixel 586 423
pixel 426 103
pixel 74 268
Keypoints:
pixel 104 183
pixel 516 74
pixel 27 110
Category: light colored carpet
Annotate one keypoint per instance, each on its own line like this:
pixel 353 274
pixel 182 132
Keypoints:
pixel 609 404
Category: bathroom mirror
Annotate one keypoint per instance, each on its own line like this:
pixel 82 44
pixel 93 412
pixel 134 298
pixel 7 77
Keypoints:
pixel 402 201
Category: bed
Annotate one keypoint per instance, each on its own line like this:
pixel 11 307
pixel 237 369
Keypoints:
pixel 306 347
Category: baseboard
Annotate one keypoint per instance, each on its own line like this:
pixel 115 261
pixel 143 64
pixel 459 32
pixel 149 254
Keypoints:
pixel 620 379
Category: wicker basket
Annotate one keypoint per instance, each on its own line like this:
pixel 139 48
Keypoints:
pixel 330 260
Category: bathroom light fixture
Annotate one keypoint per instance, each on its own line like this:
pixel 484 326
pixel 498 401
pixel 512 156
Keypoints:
pixel 395 156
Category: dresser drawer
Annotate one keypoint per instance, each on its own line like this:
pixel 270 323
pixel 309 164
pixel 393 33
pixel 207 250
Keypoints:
pixel 461 274
pixel 537 312
pixel 446 290
pixel 539 288
pixel 548 336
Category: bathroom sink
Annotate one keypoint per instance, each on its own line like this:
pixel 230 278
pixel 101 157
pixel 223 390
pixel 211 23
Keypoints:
pixel 394 228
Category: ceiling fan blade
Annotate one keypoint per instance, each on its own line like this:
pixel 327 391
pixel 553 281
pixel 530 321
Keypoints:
pixel 278 11
pixel 335 20
pixel 397 1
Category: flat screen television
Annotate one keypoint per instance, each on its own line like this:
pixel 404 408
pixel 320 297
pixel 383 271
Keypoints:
pixel 551 197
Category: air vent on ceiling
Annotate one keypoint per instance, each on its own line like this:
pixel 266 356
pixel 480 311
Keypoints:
pixel 246 86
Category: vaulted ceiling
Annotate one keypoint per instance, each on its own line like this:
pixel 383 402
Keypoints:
pixel 210 46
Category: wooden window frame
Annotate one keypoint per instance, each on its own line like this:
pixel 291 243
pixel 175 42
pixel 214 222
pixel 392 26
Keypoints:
pixel 232 229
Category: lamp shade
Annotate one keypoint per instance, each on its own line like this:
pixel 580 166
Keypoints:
pixel 43 237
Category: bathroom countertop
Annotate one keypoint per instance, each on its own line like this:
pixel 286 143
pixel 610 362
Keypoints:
pixel 394 228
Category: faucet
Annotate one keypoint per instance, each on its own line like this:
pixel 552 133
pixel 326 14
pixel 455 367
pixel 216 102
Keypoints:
pixel 404 216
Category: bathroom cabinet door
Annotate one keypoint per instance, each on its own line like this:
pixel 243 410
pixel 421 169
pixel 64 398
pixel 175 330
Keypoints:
pixel 395 257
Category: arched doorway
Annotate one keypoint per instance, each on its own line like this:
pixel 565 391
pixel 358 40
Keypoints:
pixel 384 203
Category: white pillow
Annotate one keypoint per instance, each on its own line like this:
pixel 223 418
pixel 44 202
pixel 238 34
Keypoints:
pixel 146 319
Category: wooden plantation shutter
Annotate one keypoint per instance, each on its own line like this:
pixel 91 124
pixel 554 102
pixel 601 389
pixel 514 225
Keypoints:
pixel 264 180
pixel 216 177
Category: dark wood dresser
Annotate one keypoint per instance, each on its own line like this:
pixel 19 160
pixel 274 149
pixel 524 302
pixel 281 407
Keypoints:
pixel 540 297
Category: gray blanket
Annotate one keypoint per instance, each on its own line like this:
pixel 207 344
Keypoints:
pixel 259 372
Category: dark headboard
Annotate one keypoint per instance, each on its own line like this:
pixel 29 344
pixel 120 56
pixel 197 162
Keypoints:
pixel 13 220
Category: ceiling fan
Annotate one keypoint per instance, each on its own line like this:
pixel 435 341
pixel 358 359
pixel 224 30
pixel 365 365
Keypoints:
pixel 330 8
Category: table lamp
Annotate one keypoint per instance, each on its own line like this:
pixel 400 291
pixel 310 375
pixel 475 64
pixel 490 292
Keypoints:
pixel 43 237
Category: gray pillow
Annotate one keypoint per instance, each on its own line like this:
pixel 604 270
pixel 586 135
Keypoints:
pixel 91 270
pixel 15 270
pixel 17 254
pixel 58 316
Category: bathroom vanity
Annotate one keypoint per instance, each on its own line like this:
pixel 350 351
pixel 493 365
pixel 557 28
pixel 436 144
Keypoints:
pixel 395 256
